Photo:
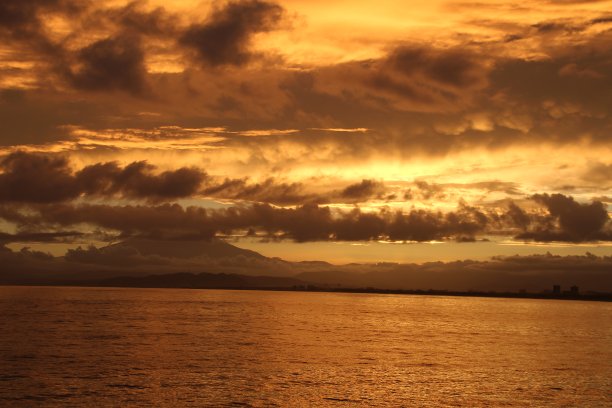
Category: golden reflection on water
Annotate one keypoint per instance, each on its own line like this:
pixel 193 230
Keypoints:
pixel 149 347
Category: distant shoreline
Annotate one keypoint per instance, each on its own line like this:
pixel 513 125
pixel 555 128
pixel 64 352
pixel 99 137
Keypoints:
pixel 596 297
pixel 599 297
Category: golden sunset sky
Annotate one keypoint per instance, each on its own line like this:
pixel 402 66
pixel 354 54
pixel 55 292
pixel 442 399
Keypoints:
pixel 344 131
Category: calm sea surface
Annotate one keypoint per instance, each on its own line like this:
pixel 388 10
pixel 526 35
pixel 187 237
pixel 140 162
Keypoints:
pixel 167 347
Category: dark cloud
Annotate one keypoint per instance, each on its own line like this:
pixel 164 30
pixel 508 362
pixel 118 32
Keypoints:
pixel 422 225
pixel 305 223
pixel 282 193
pixel 268 191
pixel 456 67
pixel 114 63
pixel 571 221
pixel 540 80
pixel 138 181
pixel 580 221
pixel 21 180
pixel 518 216
pixel 157 22
pixel 364 190
pixel 410 78
pixel 36 179
pixel 20 16
pixel 167 221
pixel 225 37
pixel 359 226
pixel 602 20
pixel 317 223
pixel 22 21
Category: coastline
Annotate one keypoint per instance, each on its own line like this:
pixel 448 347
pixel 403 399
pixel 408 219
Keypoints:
pixel 595 297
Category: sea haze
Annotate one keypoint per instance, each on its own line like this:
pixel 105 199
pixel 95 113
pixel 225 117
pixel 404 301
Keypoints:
pixel 168 347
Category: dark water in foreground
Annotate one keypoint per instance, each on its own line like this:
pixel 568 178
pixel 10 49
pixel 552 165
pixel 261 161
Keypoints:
pixel 165 347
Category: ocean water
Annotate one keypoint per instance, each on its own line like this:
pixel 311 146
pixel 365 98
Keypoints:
pixel 166 347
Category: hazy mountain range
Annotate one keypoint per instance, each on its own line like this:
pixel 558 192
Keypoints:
pixel 216 263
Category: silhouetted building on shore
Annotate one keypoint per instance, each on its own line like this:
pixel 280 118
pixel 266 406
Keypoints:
pixel 573 292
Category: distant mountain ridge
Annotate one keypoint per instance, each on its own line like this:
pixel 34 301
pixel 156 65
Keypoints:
pixel 218 264
pixel 215 248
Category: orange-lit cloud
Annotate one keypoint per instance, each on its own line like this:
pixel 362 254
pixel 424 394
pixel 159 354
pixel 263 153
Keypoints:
pixel 340 111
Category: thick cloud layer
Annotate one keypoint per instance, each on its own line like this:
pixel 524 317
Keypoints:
pixel 306 223
pixel 20 182
pixel 35 201
pixel 417 96
pixel 31 178
pixel 321 223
